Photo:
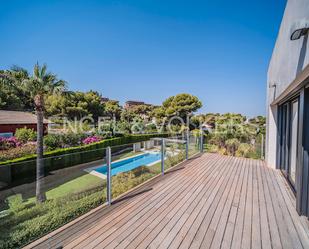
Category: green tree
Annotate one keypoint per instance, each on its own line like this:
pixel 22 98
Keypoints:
pixel 12 94
pixel 84 104
pixel 39 85
pixel 112 109
pixel 128 115
pixel 55 105
pixel 181 105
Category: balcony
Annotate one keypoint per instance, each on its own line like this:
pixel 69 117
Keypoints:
pixel 209 201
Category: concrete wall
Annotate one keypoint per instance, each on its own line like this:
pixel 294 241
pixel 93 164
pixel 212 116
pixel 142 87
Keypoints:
pixel 289 58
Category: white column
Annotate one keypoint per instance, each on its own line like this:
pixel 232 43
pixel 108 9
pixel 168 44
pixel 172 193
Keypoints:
pixel 271 137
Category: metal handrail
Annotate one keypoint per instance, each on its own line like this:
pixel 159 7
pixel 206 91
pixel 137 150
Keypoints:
pixel 163 146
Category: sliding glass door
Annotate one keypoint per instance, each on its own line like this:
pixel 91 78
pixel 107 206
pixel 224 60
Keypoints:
pixel 293 142
pixel 288 139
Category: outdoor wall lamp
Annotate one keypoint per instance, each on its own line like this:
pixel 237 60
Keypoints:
pixel 300 28
pixel 298 33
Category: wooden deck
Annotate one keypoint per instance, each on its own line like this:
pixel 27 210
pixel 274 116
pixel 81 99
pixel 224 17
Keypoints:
pixel 212 201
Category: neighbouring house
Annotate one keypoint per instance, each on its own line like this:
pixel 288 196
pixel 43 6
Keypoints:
pixel 132 103
pixel 287 143
pixel 105 99
pixel 12 120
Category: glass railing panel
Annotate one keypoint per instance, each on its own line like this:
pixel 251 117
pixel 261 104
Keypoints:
pixel 175 153
pixel 194 144
pixel 70 185
pixel 133 164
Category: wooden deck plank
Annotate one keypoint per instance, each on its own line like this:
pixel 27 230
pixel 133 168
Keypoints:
pixel 172 235
pixel 125 221
pixel 156 217
pixel 138 239
pixel 192 230
pixel 265 233
pixel 213 201
pixel 207 228
pixel 238 231
pixel 227 217
pixel 86 226
pixel 158 229
pixel 302 229
pixel 164 238
pixel 295 240
pixel 214 229
pixel 272 222
pixel 113 221
pixel 219 221
pixel 256 222
pixel 247 229
pixel 229 230
pixel 285 237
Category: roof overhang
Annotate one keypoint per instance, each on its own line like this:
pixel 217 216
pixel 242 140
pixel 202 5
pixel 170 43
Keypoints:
pixel 300 81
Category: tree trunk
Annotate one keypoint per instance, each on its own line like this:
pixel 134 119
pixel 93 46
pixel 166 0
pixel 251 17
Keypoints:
pixel 40 194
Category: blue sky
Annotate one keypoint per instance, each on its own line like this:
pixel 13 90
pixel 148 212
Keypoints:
pixel 149 50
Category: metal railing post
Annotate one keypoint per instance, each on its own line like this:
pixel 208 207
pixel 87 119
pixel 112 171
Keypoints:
pixel 108 176
pixel 187 145
pixel 162 155
pixel 262 147
pixel 201 142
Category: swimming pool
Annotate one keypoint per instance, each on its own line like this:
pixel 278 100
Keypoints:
pixel 130 163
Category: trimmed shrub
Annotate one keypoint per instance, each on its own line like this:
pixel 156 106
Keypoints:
pixel 32 220
pixel 24 168
pixel 25 135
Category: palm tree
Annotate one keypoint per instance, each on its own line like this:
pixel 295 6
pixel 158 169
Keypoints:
pixel 40 84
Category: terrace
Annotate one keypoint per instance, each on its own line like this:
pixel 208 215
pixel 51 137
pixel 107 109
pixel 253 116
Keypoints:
pixel 209 201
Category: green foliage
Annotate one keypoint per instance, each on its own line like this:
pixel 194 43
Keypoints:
pixel 25 135
pixel 244 150
pixel 52 141
pixel 181 105
pixel 123 127
pixel 23 168
pixel 112 109
pixel 15 203
pixel 128 115
pixel 233 134
pixel 212 148
pixel 13 96
pixel 55 141
pixel 27 151
pixel 232 145
pixel 55 105
pixel 76 105
pixel 29 221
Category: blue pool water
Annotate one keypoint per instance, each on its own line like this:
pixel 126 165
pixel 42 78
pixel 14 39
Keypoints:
pixel 130 163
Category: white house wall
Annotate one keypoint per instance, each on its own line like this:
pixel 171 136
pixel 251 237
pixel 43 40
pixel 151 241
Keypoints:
pixel 289 58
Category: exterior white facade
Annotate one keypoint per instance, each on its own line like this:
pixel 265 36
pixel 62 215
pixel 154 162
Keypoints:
pixel 288 68
pixel 287 142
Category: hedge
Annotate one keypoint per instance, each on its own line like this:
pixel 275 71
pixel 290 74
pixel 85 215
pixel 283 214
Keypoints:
pixel 23 169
